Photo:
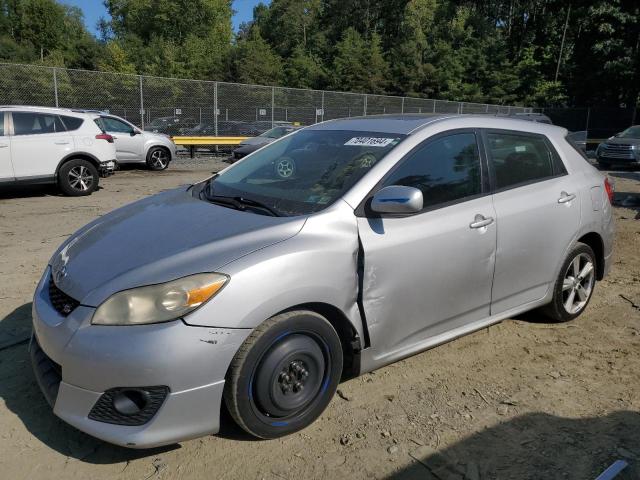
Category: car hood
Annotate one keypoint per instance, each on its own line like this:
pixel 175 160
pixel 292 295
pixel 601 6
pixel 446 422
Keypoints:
pixel 256 141
pixel 156 136
pixel 158 239
pixel 623 141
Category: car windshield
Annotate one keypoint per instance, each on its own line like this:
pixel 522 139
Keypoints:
pixel 276 132
pixel 631 132
pixel 305 172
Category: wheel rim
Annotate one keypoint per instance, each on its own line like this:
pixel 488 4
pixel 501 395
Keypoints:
pixel 289 377
pixel 578 283
pixel 80 178
pixel 159 159
pixel 285 168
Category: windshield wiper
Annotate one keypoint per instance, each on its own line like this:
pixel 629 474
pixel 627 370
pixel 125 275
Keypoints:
pixel 241 203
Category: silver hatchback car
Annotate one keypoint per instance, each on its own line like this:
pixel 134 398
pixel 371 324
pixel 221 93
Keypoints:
pixel 335 250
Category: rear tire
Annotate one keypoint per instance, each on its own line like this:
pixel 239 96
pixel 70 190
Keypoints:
pixel 158 158
pixel 284 375
pixel 574 286
pixel 78 177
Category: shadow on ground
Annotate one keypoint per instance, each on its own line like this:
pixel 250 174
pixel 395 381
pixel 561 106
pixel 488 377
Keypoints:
pixel 27 191
pixel 535 446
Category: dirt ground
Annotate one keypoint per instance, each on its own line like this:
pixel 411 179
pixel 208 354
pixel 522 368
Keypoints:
pixel 520 400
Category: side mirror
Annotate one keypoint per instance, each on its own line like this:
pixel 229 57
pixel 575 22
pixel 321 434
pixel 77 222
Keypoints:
pixel 135 131
pixel 397 199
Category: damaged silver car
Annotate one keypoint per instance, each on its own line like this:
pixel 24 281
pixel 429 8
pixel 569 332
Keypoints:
pixel 333 251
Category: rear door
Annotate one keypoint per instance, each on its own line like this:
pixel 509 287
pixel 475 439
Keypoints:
pixel 6 169
pixel 129 146
pixel 39 142
pixel 431 272
pixel 538 213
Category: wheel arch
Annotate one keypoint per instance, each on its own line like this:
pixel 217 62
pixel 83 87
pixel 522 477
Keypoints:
pixel 594 240
pixel 349 338
pixel 77 155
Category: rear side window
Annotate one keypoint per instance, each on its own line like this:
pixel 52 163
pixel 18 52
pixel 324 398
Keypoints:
pixel 445 170
pixel 114 125
pixel 519 159
pixel 31 123
pixel 72 123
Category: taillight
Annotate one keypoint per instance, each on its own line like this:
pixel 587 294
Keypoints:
pixel 104 136
pixel 609 189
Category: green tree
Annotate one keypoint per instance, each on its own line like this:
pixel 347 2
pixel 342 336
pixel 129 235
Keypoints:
pixel 359 64
pixel 254 61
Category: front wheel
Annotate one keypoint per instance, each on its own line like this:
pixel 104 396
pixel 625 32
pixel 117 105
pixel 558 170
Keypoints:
pixel 78 177
pixel 574 285
pixel 158 158
pixel 284 375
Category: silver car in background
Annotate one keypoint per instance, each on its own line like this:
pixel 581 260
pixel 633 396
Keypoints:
pixel 390 235
pixel 135 146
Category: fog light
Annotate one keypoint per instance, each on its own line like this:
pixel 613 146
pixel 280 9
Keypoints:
pixel 130 402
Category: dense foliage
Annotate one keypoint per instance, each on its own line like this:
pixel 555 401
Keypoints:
pixel 496 51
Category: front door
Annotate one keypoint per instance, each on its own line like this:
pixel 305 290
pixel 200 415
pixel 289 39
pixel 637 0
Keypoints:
pixel 6 169
pixel 429 273
pixel 128 144
pixel 538 214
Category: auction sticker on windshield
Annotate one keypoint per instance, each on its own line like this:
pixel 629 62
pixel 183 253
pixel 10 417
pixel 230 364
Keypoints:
pixel 370 141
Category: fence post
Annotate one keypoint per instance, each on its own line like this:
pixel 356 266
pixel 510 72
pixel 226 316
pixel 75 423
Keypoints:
pixel 141 104
pixel 486 108
pixel 365 104
pixel 55 85
pixel 322 107
pixel 586 127
pixel 215 108
pixel 633 117
pixel 273 103
pixel 402 106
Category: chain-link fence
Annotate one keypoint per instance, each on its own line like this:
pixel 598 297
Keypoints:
pixel 197 107
pixel 599 123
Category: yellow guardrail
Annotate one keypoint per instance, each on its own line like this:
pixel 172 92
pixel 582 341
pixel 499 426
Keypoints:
pixel 179 140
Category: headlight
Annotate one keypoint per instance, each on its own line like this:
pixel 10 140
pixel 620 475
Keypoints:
pixel 159 303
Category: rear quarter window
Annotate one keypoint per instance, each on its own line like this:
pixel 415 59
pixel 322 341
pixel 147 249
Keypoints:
pixel 72 123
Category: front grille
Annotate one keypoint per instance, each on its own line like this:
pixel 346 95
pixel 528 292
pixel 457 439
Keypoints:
pixel 617 150
pixel 104 411
pixel 62 302
pixel 48 373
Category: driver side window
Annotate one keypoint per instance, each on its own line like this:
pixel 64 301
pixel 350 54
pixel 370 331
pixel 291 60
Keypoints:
pixel 446 169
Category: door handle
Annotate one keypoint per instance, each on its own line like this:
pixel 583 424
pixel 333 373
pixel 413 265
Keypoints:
pixel 481 221
pixel 566 197
pixel 61 143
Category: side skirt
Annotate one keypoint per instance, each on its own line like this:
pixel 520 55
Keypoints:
pixel 372 360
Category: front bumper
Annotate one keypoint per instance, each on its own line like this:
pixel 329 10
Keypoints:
pixel 191 361
pixel 107 168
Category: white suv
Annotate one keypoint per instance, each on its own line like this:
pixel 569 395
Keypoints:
pixel 54 145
